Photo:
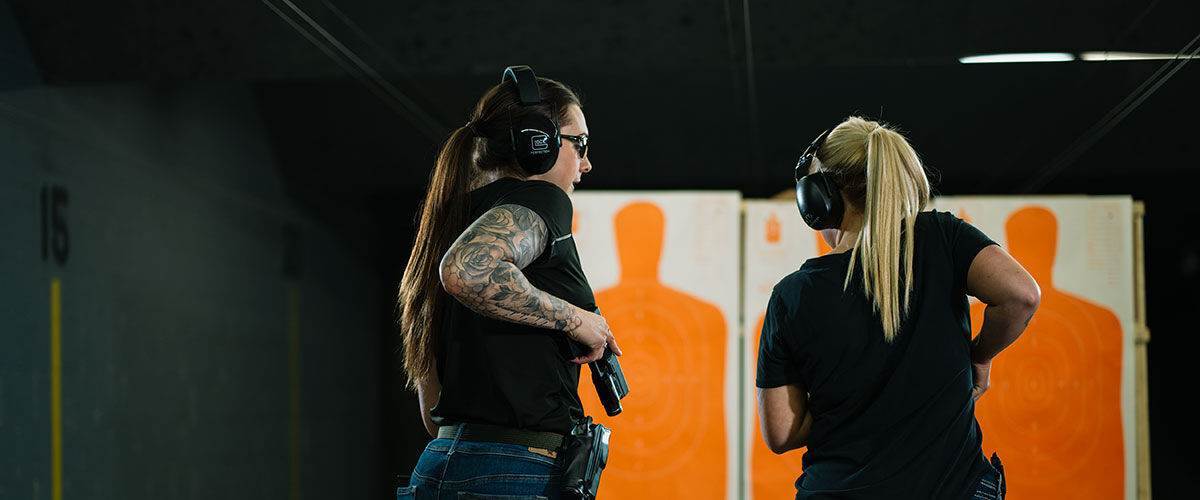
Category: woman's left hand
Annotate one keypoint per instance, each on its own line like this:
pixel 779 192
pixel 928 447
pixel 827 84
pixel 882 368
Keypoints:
pixel 982 372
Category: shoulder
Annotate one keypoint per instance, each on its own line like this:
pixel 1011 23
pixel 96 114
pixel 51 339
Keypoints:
pixel 540 190
pixel 944 221
pixel 796 280
pixel 540 193
pixel 508 187
pixel 787 291
pixel 790 303
pixel 546 199
pixel 936 219
pixel 932 216
pixel 944 224
pixel 956 230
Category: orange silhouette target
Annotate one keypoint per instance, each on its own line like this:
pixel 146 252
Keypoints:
pixel 670 440
pixel 1053 412
pixel 773 476
pixel 774 228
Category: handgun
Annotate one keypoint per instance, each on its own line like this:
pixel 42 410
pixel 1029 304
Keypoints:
pixel 606 376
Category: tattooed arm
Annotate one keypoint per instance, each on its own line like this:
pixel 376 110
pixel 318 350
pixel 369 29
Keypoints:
pixel 482 269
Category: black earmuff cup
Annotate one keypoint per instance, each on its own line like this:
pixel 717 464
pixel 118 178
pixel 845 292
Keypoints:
pixel 535 143
pixel 535 139
pixel 819 201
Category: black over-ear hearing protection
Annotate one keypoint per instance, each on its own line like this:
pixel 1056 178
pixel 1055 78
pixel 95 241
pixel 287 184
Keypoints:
pixel 535 138
pixel 818 197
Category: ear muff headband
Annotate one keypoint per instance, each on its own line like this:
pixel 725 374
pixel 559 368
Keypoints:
pixel 818 197
pixel 535 139
pixel 526 82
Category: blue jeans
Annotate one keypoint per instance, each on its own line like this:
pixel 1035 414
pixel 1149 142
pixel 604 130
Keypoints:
pixel 451 469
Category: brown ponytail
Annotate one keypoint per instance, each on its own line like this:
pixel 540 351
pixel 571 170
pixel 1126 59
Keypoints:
pixel 421 297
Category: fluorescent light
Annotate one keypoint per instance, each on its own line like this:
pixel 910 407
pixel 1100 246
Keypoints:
pixel 1018 58
pixel 1129 56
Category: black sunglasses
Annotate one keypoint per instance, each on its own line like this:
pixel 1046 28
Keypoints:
pixel 580 143
pixel 810 152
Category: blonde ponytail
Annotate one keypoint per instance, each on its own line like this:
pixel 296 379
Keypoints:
pixel 881 173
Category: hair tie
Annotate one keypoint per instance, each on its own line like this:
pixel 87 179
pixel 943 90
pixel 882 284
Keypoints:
pixel 471 127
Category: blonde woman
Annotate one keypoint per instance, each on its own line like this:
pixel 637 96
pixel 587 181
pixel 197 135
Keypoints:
pixel 866 356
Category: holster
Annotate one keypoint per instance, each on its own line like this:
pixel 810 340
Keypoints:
pixel 585 453
pixel 1003 486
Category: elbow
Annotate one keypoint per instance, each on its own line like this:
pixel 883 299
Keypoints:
pixel 1030 298
pixel 451 282
pixel 1022 298
pixel 780 443
pixel 781 446
pixel 462 283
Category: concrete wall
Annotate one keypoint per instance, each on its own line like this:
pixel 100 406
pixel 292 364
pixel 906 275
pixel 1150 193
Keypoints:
pixel 213 340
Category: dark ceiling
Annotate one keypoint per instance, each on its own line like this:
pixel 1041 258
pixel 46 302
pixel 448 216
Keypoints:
pixel 716 95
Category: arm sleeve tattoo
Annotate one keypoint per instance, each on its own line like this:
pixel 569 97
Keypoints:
pixel 482 270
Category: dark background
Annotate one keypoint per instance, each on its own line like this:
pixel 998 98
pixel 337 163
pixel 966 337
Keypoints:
pixel 292 140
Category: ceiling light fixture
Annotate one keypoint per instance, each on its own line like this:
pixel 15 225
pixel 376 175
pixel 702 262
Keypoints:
pixel 1018 58
pixel 1130 56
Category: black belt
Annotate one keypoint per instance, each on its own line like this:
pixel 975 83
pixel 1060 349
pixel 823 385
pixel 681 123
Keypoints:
pixel 498 434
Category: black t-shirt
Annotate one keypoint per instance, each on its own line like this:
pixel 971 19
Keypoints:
pixel 501 373
pixel 890 420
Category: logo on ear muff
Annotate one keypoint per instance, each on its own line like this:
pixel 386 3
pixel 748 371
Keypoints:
pixel 811 219
pixel 538 144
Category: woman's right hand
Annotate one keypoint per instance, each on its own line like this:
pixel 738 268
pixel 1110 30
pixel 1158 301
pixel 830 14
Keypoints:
pixel 592 331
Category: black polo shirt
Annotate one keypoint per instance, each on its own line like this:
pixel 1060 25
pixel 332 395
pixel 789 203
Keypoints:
pixel 502 373
pixel 890 420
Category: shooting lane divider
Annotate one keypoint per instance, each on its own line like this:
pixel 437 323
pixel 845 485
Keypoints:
pixel 742 437
pixel 1141 341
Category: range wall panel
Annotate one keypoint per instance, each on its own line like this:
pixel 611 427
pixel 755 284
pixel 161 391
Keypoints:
pixel 171 324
